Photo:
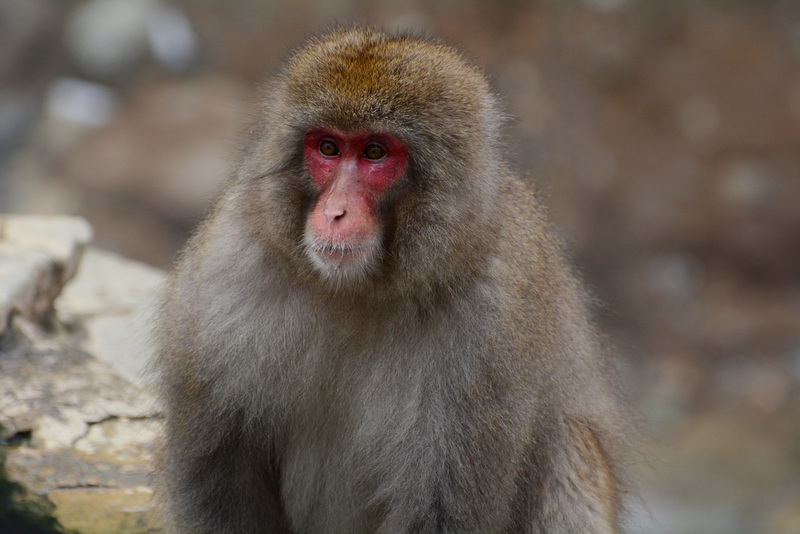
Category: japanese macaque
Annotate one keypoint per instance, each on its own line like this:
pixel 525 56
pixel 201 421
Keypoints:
pixel 374 330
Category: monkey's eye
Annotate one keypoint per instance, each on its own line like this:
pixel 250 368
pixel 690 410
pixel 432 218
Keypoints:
pixel 374 152
pixel 328 148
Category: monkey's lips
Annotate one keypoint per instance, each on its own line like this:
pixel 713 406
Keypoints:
pixel 338 257
pixel 343 254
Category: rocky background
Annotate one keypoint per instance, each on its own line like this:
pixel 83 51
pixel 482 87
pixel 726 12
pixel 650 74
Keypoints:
pixel 665 137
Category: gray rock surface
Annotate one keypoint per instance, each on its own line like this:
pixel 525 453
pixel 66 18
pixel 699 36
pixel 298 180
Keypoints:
pixel 38 255
pixel 112 299
pixel 78 426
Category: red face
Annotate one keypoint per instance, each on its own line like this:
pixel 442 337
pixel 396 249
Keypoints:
pixel 351 171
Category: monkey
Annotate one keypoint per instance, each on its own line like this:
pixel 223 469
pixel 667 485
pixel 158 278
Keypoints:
pixel 375 329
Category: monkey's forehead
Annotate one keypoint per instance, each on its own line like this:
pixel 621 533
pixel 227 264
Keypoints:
pixel 350 77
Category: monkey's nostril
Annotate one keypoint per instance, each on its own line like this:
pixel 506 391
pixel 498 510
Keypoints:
pixel 340 216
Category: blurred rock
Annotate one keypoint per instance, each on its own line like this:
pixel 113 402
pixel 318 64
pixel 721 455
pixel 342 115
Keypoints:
pixel 724 473
pixel 56 391
pixel 24 27
pixel 171 38
pixel 110 39
pixel 114 317
pixel 675 277
pixel 82 102
pixel 606 5
pixel 17 115
pixel 82 432
pixel 38 255
pixel 698 119
pixel 161 160
pixel 104 510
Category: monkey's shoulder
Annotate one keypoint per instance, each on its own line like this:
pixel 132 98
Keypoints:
pixel 526 240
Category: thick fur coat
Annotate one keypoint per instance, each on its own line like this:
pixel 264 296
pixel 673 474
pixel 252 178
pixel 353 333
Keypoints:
pixel 454 386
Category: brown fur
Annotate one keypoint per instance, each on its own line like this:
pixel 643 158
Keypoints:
pixel 456 387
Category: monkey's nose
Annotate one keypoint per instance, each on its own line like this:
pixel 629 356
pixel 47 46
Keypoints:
pixel 335 215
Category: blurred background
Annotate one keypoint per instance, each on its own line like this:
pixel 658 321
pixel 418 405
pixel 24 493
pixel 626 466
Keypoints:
pixel 664 136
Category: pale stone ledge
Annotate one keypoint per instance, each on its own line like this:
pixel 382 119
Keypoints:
pixel 38 255
pixel 77 423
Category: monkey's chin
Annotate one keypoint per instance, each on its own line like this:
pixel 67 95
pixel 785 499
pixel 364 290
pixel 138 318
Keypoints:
pixel 343 264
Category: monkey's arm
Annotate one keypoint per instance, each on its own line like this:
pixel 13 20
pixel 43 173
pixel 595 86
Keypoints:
pixel 215 480
pixel 580 494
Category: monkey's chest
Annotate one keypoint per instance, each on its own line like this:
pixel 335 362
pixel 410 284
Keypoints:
pixel 370 426
pixel 355 447
pixel 341 466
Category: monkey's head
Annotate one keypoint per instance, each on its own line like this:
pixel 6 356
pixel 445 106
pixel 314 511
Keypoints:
pixel 376 157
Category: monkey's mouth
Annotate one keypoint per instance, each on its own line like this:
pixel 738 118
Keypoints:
pixel 353 256
pixel 334 256
pixel 341 254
